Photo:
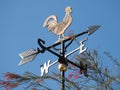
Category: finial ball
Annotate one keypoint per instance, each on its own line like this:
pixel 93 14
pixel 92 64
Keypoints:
pixel 62 67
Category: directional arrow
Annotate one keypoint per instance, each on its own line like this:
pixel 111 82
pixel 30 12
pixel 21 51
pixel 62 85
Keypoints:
pixel 29 55
pixel 92 29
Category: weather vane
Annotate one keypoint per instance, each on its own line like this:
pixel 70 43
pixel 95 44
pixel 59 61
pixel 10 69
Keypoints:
pixel 59 29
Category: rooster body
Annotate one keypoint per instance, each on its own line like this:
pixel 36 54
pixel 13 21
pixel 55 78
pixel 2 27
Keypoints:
pixel 59 28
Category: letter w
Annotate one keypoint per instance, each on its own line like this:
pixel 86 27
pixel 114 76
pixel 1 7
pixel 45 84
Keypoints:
pixel 45 67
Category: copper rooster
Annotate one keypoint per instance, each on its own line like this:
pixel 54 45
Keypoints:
pixel 59 28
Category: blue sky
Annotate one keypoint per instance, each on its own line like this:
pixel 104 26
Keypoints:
pixel 21 24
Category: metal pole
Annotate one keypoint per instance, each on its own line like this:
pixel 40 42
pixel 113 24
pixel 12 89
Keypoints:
pixel 63 80
pixel 63 72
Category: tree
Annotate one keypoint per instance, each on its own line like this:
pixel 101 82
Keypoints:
pixel 92 75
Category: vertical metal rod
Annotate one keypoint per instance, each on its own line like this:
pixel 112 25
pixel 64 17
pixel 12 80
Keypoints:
pixel 63 80
pixel 63 72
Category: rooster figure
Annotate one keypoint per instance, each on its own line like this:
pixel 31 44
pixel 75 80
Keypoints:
pixel 59 28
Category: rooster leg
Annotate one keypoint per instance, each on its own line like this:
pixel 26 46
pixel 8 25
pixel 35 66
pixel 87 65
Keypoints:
pixel 63 36
pixel 59 37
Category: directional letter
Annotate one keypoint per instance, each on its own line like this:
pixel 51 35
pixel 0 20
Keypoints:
pixel 45 67
pixel 82 49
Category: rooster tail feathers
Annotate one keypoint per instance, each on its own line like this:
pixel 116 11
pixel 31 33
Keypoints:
pixel 49 19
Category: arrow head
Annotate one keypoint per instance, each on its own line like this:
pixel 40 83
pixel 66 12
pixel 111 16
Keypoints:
pixel 27 56
pixel 92 29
